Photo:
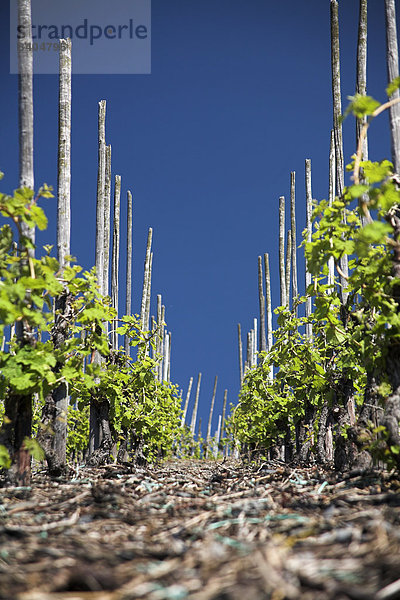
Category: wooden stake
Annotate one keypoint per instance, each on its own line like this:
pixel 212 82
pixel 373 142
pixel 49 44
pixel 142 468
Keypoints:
pixel 101 175
pixel 392 61
pixel 270 340
pixel 249 353
pixel 255 349
pixel 240 354
pixel 95 429
pixel 308 278
pixel 196 404
pixel 107 202
pixel 60 395
pixel 64 156
pixel 268 301
pixel 115 259
pixel 288 265
pixel 224 414
pixel 211 415
pixel 166 357
pixel 337 128
pixel 331 197
pixel 25 105
pixel 148 293
pixel 186 402
pixel 159 336
pixel 295 290
pixel 146 280
pixel 162 342
pixel 361 85
pixel 282 250
pixel 128 303
pixel 261 300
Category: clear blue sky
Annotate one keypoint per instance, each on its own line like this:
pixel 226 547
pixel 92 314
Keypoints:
pixel 239 95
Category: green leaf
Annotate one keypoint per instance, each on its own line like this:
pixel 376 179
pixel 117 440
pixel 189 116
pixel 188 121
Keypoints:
pixel 355 191
pixel 34 449
pixel 362 106
pixel 376 171
pixel 375 233
pixel 5 460
pixel 393 86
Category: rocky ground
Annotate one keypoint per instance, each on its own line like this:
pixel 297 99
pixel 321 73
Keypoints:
pixel 201 530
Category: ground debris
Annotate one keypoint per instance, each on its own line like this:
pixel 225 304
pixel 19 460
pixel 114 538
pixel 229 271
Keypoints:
pixel 203 530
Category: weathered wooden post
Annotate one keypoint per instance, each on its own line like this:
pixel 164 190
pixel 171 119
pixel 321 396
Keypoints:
pixel 392 61
pixel 308 278
pixel 18 409
pixel 288 266
pixel 148 293
pixel 361 86
pixel 159 337
pixel 25 105
pixel 166 357
pixel 196 404
pixel 261 301
pixel 95 429
pixel 270 340
pixel 101 179
pixel 240 354
pixel 146 278
pixel 255 345
pixel 128 301
pixel 295 290
pixel 331 197
pixel 107 207
pixel 115 260
pixel 186 402
pixel 210 416
pixel 52 435
pixel 62 303
pixel 282 251
pixel 249 355
pixel 337 128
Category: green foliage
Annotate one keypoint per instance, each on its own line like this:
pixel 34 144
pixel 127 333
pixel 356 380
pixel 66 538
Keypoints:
pixel 138 401
pixel 361 106
pixel 34 449
pixel 28 290
pixel 348 342
pixel 78 431
pixel 5 460
pixel 393 86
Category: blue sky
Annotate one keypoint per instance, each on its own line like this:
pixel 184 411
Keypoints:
pixel 239 95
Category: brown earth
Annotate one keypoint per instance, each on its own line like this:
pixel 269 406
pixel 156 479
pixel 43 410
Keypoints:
pixel 204 531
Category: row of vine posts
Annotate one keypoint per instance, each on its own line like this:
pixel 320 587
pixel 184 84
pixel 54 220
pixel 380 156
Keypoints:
pixel 152 339
pixel 333 410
